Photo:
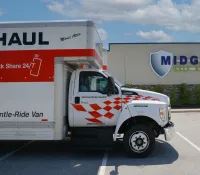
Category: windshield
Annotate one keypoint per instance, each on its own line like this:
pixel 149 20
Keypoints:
pixel 116 80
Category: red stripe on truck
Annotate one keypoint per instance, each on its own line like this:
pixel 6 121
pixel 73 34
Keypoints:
pixel 35 65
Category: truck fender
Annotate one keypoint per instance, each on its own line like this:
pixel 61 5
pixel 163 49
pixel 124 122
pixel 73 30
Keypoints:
pixel 124 115
pixel 130 111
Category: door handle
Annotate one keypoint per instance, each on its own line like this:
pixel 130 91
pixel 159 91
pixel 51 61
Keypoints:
pixel 77 100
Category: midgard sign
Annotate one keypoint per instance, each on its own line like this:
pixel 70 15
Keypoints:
pixel 161 63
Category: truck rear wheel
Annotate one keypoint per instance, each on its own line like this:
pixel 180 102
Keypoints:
pixel 139 141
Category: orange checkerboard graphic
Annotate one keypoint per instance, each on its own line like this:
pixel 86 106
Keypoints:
pixel 106 110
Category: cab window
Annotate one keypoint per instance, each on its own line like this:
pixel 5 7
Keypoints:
pixel 92 82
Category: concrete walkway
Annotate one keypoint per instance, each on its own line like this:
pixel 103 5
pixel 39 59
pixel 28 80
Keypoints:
pixel 185 110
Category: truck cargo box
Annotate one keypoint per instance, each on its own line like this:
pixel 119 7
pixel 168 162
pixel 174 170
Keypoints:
pixel 28 53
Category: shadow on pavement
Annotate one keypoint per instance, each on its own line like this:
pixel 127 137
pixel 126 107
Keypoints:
pixel 163 154
pixel 51 157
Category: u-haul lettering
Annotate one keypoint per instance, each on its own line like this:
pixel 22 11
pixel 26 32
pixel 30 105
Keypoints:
pixel 27 39
pixel 43 38
pixel 21 114
pixel 13 66
pixel 16 66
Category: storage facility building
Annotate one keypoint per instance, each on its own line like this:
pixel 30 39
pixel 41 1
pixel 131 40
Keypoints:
pixel 132 63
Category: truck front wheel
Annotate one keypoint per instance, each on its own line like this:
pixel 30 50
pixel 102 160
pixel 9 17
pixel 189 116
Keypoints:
pixel 139 141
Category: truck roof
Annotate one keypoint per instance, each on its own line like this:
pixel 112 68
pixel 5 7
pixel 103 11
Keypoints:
pixel 49 23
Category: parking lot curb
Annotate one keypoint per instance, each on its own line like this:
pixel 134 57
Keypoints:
pixel 184 110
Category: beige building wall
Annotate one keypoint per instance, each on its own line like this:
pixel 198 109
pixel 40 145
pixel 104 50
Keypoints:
pixel 130 63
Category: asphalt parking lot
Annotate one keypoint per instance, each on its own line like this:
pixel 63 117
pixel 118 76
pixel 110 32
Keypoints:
pixel 179 156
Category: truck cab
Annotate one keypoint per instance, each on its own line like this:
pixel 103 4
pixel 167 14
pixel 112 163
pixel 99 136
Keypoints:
pixel 100 109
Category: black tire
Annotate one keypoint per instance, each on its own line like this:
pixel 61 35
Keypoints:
pixel 144 137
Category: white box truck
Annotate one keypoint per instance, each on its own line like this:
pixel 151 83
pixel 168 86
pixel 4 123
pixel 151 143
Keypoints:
pixel 54 85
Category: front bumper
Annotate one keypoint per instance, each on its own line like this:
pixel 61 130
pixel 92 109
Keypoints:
pixel 169 131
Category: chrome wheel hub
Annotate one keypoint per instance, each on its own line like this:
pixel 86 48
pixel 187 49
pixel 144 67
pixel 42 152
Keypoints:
pixel 139 141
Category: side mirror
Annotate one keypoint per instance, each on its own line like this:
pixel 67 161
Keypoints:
pixel 111 86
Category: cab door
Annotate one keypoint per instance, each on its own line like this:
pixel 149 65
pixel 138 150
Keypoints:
pixel 92 105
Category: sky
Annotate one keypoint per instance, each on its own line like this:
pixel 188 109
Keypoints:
pixel 118 21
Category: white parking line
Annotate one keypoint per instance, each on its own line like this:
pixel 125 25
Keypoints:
pixel 192 144
pixel 102 169
pixel 14 151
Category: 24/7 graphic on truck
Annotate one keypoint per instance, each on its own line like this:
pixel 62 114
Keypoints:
pixel 34 66
pixel 24 67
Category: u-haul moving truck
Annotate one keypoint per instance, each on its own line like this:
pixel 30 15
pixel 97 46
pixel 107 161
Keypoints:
pixel 54 84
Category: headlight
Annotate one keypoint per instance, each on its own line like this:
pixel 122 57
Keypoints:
pixel 162 114
pixel 169 113
pixel 169 102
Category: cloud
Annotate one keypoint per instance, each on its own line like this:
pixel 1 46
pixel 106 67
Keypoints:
pixel 165 13
pixel 103 34
pixel 56 7
pixel 158 36
pixel 97 10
